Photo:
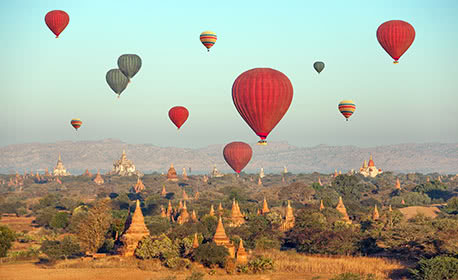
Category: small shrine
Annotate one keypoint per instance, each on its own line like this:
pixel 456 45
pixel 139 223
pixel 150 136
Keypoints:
pixel 136 231
pixel 221 239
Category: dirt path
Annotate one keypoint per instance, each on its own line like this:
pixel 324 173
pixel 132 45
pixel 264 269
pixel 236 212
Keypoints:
pixel 30 271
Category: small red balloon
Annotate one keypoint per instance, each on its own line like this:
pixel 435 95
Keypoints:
pixel 178 115
pixel 237 155
pixel 395 37
pixel 57 20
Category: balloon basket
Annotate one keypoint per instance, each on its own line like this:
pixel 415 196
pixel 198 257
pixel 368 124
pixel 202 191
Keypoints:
pixel 395 62
pixel 262 142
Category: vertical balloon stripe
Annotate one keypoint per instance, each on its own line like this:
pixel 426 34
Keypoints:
pixel 129 64
pixel 57 20
pixel 117 80
pixel 395 37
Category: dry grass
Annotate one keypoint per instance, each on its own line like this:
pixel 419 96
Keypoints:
pixel 19 223
pixel 412 211
pixel 294 262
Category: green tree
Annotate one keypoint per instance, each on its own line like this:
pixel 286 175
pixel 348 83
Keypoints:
pixel 211 255
pixel 161 247
pixel 92 229
pixel 438 268
pixel 60 220
pixel 7 236
pixel 56 249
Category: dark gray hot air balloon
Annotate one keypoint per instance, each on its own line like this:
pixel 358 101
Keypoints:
pixel 129 64
pixel 117 81
pixel 319 66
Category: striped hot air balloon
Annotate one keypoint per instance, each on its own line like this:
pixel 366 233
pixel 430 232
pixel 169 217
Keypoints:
pixel 347 108
pixel 76 123
pixel 208 39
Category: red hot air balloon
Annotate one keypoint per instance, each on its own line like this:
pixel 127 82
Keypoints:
pixel 237 155
pixel 178 115
pixel 395 36
pixel 57 20
pixel 262 96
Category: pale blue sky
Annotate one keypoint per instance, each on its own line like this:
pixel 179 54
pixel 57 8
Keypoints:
pixel 47 81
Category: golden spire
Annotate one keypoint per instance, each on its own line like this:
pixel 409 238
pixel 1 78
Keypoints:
pixel 164 192
pixel 242 256
pixel 220 233
pixel 139 186
pixel 259 181
pixel 375 214
pixel 185 195
pixel 196 195
pixel 195 242
pixel 321 205
pixel 390 209
pixel 194 216
pixel 341 208
pixel 220 209
pixel 163 214
pixel 180 205
pixel 212 211
pixel 319 181
pixel 169 209
pixel 265 208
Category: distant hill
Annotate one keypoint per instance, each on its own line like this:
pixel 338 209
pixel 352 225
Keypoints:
pixel 77 156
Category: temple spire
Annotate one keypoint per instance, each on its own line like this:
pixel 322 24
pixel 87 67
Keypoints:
pixel 212 211
pixel 321 205
pixel 195 242
pixel 375 214
pixel 265 207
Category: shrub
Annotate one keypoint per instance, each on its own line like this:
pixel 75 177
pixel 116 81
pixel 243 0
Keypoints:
pixel 353 276
pixel 210 255
pixel 55 249
pixel 196 275
pixel 177 263
pixel 438 268
pixel 60 220
pixel 7 237
pixel 161 247
pixel 260 264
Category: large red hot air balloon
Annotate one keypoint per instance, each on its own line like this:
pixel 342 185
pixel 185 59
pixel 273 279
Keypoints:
pixel 395 36
pixel 57 20
pixel 262 96
pixel 237 155
pixel 178 115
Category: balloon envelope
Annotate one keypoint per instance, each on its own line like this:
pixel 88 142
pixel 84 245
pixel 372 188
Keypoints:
pixel 395 37
pixel 262 96
pixel 347 108
pixel 76 123
pixel 237 155
pixel 178 115
pixel 117 81
pixel 57 20
pixel 319 66
pixel 208 39
pixel 129 64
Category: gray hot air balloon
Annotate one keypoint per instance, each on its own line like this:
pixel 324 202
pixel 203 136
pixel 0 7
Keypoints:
pixel 129 64
pixel 117 81
pixel 319 66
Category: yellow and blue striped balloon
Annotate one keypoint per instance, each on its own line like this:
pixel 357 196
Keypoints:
pixel 347 108
pixel 208 39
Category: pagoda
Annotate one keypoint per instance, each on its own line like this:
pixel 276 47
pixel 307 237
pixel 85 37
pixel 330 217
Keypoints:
pixel 369 169
pixel 169 209
pixel 242 256
pixel 341 208
pixel 265 208
pixel 289 221
pixel 172 174
pixel 87 173
pixel 321 205
pixel 285 170
pixel 205 179
pixel 139 186
pixel 237 217
pixel 196 195
pixel 185 176
pixel 98 178
pixel 163 214
pixel 194 216
pixel 212 211
pixel 137 230
pixel 216 173
pixel 195 241
pixel 185 195
pixel 59 170
pixel 124 167
pixel 221 239
pixel 398 184
pixel 259 181
pixel 261 173
pixel 220 209
pixel 319 181
pixel 375 214
pixel 184 215
pixel 164 192
pixel 47 174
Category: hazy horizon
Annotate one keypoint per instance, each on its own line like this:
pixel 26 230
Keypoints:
pixel 48 81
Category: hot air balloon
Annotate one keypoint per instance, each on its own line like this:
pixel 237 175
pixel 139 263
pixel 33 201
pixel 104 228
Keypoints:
pixel 178 115
pixel 395 37
pixel 319 66
pixel 129 64
pixel 117 81
pixel 262 96
pixel 76 123
pixel 347 108
pixel 237 155
pixel 208 38
pixel 57 20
